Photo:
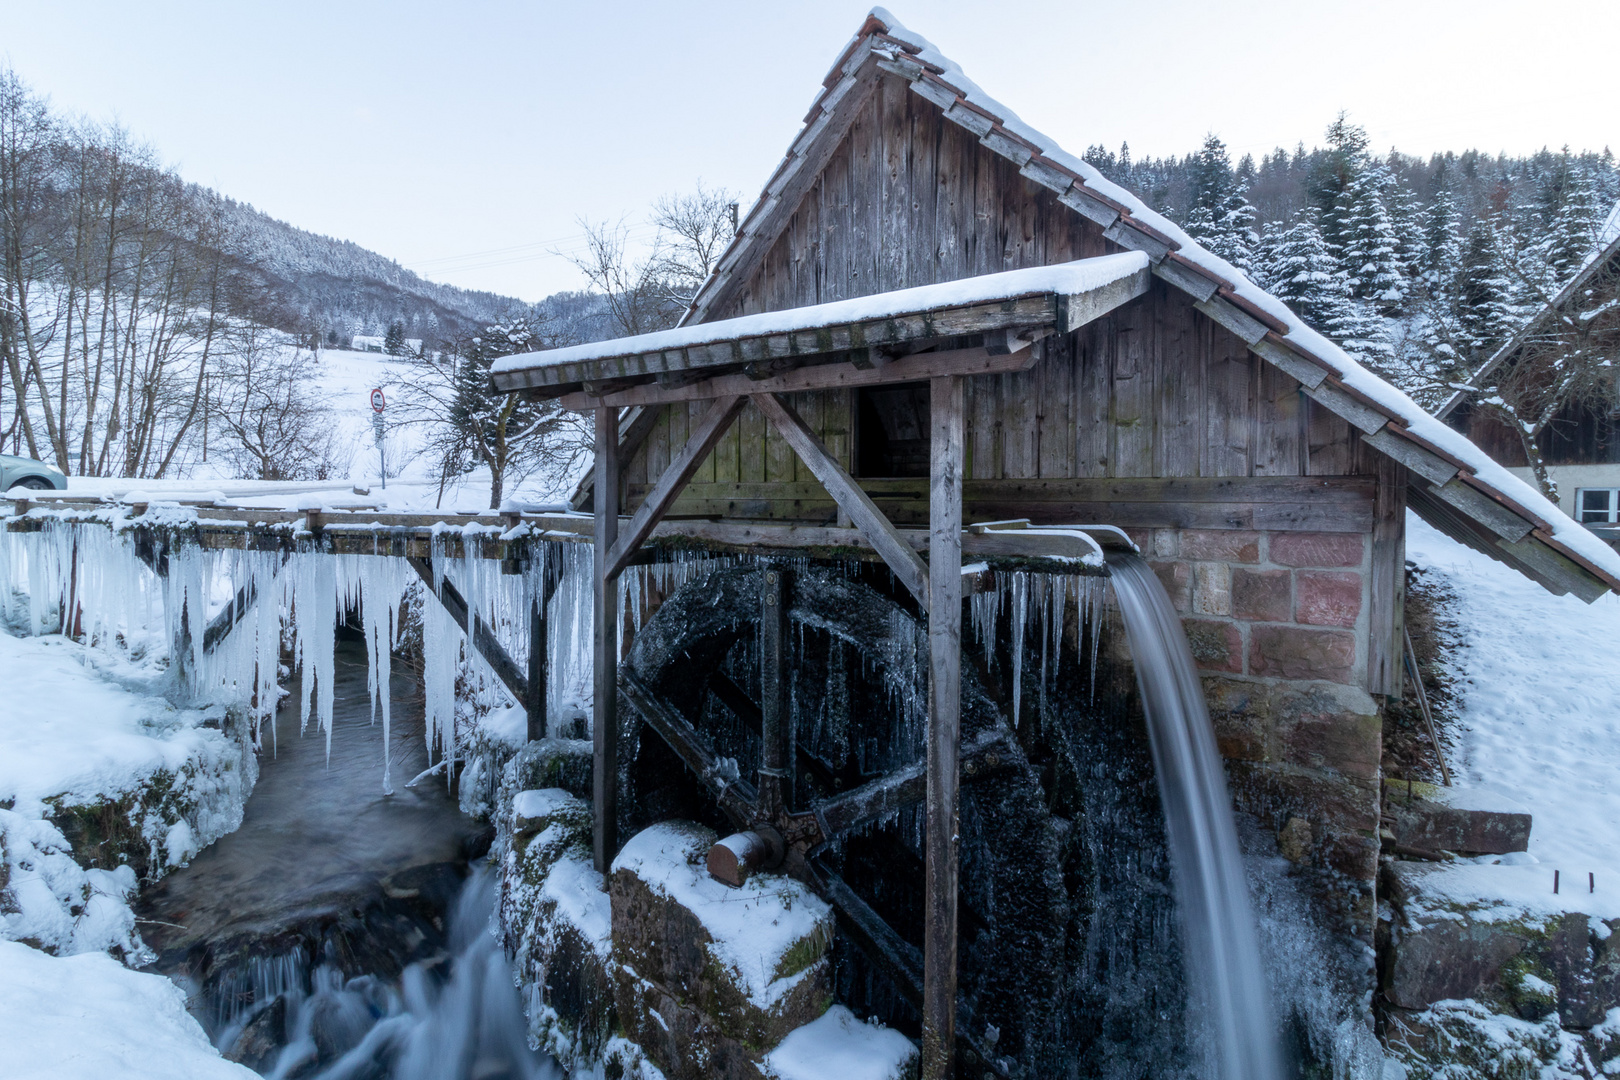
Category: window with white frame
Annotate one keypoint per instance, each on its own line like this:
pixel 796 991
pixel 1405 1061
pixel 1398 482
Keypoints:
pixel 1597 506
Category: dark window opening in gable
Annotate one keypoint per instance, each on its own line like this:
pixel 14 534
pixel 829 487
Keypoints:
pixel 891 431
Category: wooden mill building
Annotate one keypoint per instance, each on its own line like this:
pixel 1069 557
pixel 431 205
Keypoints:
pixel 934 317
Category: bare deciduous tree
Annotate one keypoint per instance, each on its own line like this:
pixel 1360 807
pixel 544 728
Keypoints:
pixel 273 426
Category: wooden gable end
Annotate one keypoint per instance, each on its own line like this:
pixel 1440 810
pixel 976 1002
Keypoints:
pixel 1157 390
pixel 908 198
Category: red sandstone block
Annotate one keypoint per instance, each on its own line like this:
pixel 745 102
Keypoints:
pixel 1216 646
pixel 1316 549
pixel 1223 545
pixel 1292 652
pixel 1262 595
pixel 1327 597
pixel 1177 580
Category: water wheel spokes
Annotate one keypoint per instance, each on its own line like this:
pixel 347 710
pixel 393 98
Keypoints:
pixel 798 837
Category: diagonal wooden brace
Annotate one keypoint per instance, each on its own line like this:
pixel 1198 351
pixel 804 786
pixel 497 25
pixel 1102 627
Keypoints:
pixel 907 565
pixel 670 485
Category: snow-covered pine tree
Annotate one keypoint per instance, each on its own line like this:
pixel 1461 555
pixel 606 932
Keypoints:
pixel 1303 273
pixel 1486 316
pixel 1442 251
pixel 1367 251
pixel 1219 215
pixel 1407 220
pixel 1572 229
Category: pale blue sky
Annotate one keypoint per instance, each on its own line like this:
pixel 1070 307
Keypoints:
pixel 443 134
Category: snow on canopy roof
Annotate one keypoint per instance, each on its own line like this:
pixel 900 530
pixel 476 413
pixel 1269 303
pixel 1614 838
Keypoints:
pixel 1277 333
pixel 1604 249
pixel 1063 279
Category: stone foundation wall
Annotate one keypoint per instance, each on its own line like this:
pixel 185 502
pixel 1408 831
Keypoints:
pixel 1278 623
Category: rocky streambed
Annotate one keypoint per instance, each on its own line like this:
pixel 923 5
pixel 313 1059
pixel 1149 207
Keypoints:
pixel 335 932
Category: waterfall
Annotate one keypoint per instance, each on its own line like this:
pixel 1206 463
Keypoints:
pixel 1224 975
pixel 427 1027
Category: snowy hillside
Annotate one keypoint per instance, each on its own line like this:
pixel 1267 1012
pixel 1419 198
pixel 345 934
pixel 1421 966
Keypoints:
pixel 1540 717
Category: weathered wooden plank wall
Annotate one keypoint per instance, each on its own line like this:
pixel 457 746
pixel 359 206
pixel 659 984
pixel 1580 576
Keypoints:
pixel 1155 389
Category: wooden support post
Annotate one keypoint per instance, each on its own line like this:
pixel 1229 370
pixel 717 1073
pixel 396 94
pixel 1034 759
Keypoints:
pixel 907 565
pixel 947 407
pixel 776 766
pixel 535 706
pixel 605 682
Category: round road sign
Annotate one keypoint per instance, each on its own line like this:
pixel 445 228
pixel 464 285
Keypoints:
pixel 377 401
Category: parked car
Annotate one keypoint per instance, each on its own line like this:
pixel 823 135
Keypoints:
pixel 18 473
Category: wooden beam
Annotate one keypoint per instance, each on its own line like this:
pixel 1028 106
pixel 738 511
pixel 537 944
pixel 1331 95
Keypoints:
pixel 777 741
pixel 605 643
pixel 713 425
pixel 477 630
pixel 535 704
pixel 1076 311
pixel 836 376
pixel 948 429
pixel 902 559
pixel 1386 609
pixel 736 797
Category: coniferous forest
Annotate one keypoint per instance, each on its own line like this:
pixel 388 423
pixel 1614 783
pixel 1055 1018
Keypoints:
pixel 1420 268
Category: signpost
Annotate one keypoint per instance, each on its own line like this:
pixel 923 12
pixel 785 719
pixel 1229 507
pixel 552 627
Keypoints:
pixel 378 403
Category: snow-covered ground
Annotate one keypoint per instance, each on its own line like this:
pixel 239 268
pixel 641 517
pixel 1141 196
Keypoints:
pixel 83 729
pixel 1539 693
pixel 88 1017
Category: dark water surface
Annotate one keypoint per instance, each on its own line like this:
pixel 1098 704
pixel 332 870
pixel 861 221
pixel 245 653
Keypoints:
pixel 318 833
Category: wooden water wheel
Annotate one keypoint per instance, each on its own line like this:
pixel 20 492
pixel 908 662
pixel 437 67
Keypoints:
pixel 787 703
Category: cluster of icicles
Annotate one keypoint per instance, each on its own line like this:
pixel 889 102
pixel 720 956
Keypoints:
pixel 117 600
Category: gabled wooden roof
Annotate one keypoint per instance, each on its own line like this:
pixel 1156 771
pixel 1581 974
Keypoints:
pixel 1603 257
pixel 1455 486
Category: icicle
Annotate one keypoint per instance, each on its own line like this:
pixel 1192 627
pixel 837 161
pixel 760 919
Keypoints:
pixel 314 600
pixel 1020 606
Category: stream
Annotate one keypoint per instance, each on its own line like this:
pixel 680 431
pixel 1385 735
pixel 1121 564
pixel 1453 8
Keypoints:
pixel 341 932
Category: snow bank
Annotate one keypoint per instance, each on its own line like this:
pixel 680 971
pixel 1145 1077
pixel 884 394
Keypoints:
pixel 839 1047
pixel 160 784
pixel 70 733
pixel 1540 710
pixel 89 1018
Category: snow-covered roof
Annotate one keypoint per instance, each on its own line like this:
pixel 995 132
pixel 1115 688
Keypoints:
pixel 1457 486
pixel 1605 248
pixel 671 349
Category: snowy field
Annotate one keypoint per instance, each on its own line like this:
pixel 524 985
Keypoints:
pixel 345 385
pixel 1539 690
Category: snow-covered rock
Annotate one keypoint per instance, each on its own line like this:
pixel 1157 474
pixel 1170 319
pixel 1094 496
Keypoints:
pixel 837 1046
pixel 709 977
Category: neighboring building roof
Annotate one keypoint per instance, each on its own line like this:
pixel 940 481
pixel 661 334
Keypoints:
pixel 1605 249
pixel 1458 487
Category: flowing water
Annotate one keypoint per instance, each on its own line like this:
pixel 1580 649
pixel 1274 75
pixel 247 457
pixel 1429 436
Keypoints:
pixel 333 934
pixel 1224 972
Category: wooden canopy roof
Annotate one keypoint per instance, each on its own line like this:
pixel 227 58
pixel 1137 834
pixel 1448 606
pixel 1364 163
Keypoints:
pixel 860 341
